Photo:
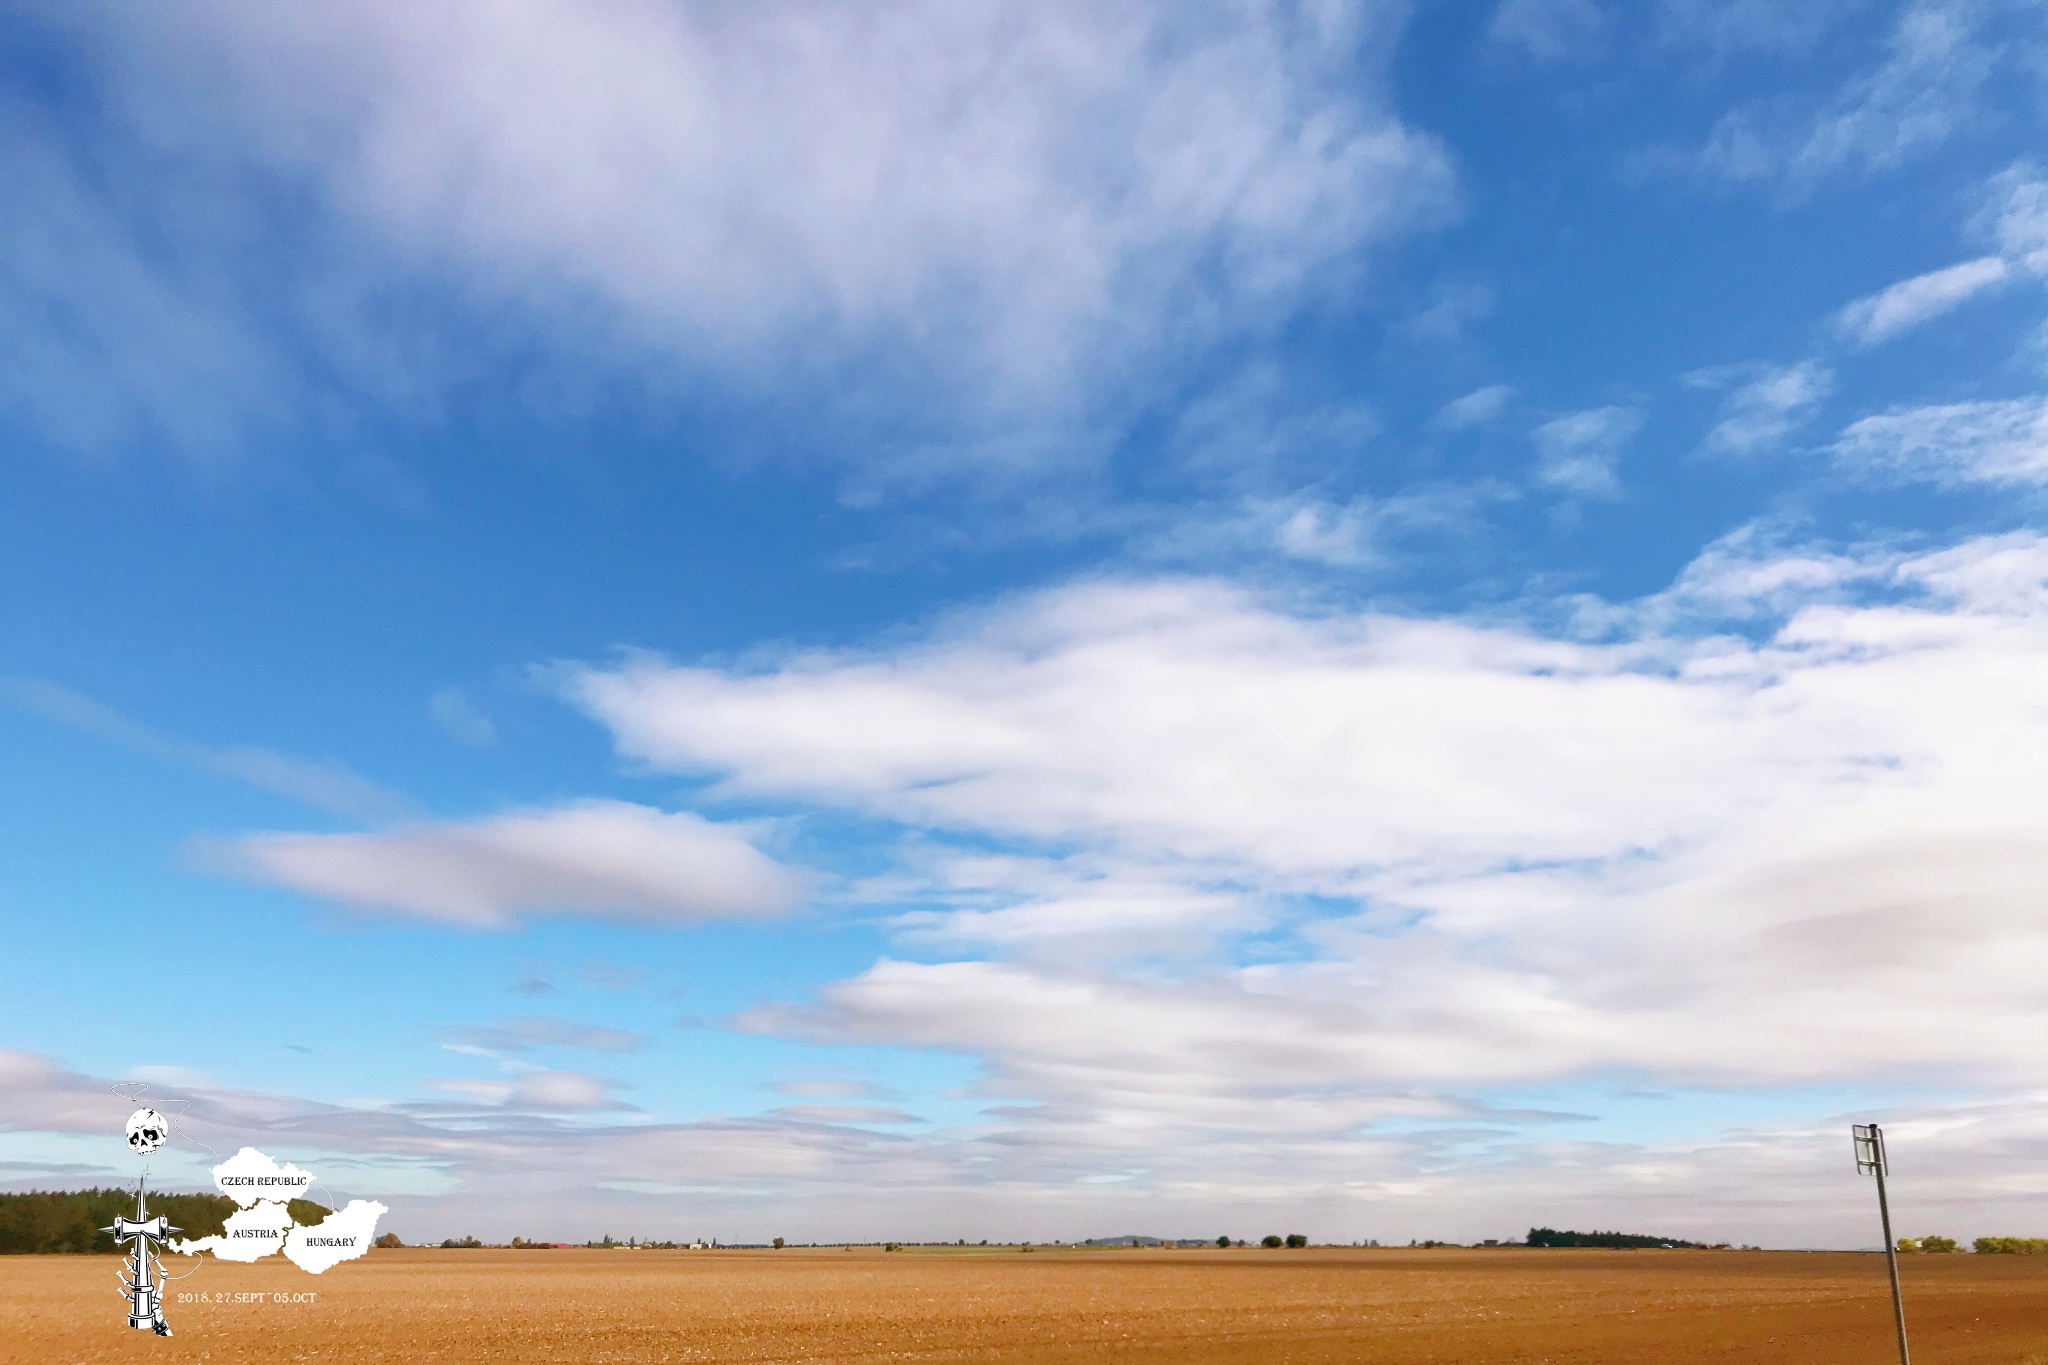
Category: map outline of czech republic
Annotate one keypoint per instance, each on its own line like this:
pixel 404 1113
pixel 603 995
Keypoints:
pixel 262 1225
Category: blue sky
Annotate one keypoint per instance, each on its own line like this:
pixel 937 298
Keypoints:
pixel 932 621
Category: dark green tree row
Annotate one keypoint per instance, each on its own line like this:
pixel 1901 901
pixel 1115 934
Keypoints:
pixel 70 1220
pixel 1551 1237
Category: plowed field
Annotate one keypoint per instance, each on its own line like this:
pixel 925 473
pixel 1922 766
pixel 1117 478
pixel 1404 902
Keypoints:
pixel 1189 1307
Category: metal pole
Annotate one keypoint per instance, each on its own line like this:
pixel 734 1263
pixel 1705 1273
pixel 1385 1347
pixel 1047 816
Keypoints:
pixel 1870 1156
pixel 1891 1256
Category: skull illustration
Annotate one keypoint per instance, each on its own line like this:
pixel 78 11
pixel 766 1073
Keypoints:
pixel 147 1131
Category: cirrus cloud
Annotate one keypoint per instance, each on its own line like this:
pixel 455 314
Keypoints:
pixel 1925 91
pixel 1992 442
pixel 1011 212
pixel 1909 303
pixel 1578 451
pixel 1764 405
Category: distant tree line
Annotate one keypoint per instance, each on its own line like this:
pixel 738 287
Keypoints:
pixel 1551 1237
pixel 1983 1246
pixel 45 1221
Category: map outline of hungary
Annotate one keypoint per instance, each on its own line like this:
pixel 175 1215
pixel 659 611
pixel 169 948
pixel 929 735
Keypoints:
pixel 262 1225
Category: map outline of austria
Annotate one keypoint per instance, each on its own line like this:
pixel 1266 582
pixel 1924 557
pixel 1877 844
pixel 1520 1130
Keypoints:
pixel 263 1225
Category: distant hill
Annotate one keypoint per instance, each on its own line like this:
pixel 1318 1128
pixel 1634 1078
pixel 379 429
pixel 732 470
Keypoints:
pixel 1551 1237
pixel 1129 1240
pixel 43 1221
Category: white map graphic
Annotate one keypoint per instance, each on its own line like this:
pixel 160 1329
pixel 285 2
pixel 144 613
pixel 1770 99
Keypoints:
pixel 263 1225
pixel 251 1234
pixel 341 1236
pixel 248 1176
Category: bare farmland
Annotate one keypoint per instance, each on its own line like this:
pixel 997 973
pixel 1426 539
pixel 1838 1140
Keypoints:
pixel 1312 1307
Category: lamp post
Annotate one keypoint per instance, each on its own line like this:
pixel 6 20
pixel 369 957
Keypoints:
pixel 1868 1140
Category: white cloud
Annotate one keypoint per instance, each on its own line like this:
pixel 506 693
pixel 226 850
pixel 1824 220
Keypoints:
pixel 1576 453
pixel 1366 531
pixel 2018 217
pixel 1363 532
pixel 1090 920
pixel 844 1113
pixel 543 1030
pixel 1923 93
pixel 146 347
pixel 1026 207
pixel 1907 304
pixel 322 786
pixel 1256 429
pixel 1475 409
pixel 1290 1155
pixel 1793 856
pixel 1764 404
pixel 1548 30
pixel 1725 27
pixel 538 1091
pixel 603 859
pixel 1448 319
pixel 828 1090
pixel 1336 536
pixel 1306 745
pixel 563 1090
pixel 2004 442
pixel 455 713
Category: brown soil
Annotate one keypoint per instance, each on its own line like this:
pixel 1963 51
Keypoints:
pixel 1314 1307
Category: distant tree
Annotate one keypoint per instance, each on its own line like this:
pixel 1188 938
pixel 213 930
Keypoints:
pixel 1938 1245
pixel 778 1244
pixel 2011 1246
pixel 1272 1239
pixel 1223 1241
pixel 44 1221
pixel 1295 1239
pixel 463 1242
pixel 306 1213
pixel 1551 1237
pixel 388 1241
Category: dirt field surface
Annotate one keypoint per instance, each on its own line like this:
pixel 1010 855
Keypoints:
pixel 1271 1307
